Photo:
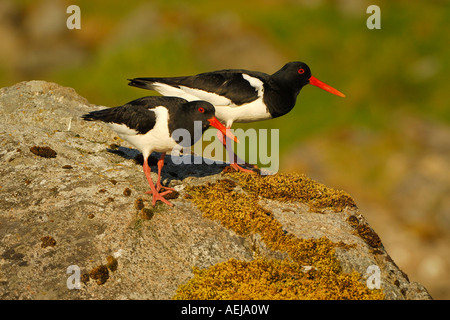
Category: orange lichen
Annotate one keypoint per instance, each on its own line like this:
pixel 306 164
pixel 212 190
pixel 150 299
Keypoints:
pixel 99 273
pixel 45 152
pixel 365 232
pixel 111 263
pixel 267 278
pixel 295 187
pixel 262 279
pixel 48 241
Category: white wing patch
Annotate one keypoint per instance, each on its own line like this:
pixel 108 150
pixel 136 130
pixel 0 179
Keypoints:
pixel 255 83
pixel 212 98
pixel 191 94
pixel 169 91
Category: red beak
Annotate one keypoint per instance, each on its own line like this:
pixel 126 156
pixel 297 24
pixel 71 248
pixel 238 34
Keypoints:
pixel 219 126
pixel 324 86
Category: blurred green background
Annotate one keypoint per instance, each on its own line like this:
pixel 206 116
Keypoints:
pixel 387 143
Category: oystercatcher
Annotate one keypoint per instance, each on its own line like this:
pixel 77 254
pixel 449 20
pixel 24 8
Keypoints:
pixel 240 95
pixel 148 124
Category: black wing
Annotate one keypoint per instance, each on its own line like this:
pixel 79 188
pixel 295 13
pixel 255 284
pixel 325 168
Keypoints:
pixel 135 114
pixel 226 83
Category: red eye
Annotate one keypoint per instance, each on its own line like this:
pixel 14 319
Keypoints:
pixel 301 71
pixel 201 110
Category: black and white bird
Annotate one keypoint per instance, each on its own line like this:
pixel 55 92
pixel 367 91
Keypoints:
pixel 149 124
pixel 240 95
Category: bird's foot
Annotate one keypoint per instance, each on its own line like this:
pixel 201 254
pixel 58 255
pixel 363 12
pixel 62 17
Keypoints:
pixel 159 196
pixel 237 167
pixel 160 186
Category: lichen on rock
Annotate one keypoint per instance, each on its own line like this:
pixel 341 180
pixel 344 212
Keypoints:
pixel 255 279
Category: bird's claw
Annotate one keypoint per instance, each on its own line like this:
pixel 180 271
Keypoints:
pixel 159 196
pixel 237 167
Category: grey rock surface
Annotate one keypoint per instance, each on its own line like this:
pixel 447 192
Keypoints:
pixel 89 201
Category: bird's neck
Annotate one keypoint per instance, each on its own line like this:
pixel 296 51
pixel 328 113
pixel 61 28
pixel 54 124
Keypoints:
pixel 282 97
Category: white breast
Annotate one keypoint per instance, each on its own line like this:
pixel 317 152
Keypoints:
pixel 249 112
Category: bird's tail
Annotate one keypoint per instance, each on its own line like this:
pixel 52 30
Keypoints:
pixel 91 116
pixel 143 83
pixel 105 115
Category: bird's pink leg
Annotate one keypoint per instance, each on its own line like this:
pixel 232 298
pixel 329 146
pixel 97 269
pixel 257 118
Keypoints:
pixel 153 191
pixel 233 156
pixel 158 182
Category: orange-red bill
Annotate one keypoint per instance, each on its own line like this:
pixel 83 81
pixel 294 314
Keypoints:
pixel 219 126
pixel 324 86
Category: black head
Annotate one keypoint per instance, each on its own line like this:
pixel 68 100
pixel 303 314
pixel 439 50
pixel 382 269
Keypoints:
pixel 297 74
pixel 198 111
pixel 195 117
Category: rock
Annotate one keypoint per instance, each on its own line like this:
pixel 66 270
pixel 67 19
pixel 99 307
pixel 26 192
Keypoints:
pixel 400 178
pixel 87 202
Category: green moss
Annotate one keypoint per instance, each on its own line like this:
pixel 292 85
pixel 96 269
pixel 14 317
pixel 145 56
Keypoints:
pixel 271 279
